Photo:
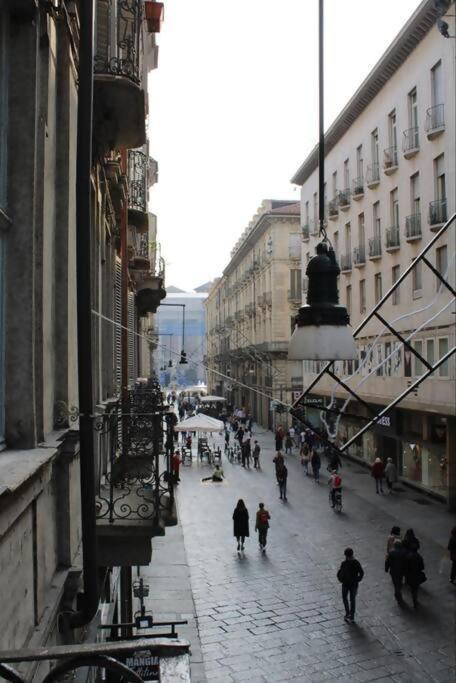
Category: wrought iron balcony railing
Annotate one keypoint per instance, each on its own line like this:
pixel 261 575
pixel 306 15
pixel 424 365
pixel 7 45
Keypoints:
pixel 390 160
pixel 305 232
pixel 375 247
pixel 438 212
pixel 138 165
pixel 345 262
pixel 118 38
pixel 435 121
pixel 358 187
pixel 359 255
pixel 344 198
pixel 333 209
pixel 294 296
pixel 393 240
pixel 373 174
pixel 410 142
pixel 413 227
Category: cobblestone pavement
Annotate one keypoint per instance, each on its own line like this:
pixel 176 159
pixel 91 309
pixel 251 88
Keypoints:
pixel 279 616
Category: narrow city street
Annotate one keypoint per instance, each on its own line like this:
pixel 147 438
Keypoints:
pixel 279 616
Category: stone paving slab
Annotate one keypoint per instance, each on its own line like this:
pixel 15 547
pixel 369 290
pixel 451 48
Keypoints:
pixel 278 616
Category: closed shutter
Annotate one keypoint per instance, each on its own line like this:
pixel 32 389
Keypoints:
pixel 117 313
pixel 102 33
pixel 131 339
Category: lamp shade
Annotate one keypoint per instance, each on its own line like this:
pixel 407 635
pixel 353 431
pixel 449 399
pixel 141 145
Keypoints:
pixel 322 330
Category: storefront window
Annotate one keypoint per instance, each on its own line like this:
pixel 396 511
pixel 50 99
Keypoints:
pixel 425 465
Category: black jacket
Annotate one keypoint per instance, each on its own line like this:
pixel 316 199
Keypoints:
pixel 350 572
pixel 240 522
pixel 395 562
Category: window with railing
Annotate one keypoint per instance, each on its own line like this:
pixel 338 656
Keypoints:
pixel 375 247
pixel 410 141
pixel 441 262
pixel 373 173
pixel 392 237
pixel 413 226
pixel 358 186
pixel 344 197
pixel 359 255
pixel 395 272
pixel 118 46
pixel 435 118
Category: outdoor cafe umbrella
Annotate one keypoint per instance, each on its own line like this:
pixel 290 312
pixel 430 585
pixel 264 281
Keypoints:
pixel 212 399
pixel 200 423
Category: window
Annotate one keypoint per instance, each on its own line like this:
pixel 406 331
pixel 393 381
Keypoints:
pixel 347 238
pixel 346 175
pixel 430 351
pixel 362 296
pixel 441 262
pixel 359 161
pixel 295 283
pixel 376 217
pixel 306 213
pixel 413 109
pixel 392 129
pixel 334 184
pixel 443 349
pixel 437 84
pixel 395 297
pixel 415 193
pixel 417 278
pixel 348 298
pixel 419 368
pixel 374 146
pixel 394 206
pixel 378 287
pixel 294 245
pixel 315 208
pixel 361 234
pixel 336 244
pixel 439 172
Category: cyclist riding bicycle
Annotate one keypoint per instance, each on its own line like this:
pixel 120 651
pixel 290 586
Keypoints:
pixel 335 483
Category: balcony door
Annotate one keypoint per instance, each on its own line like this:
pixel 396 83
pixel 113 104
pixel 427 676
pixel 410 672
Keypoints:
pixel 295 283
pixel 374 147
pixel 440 185
pixel 392 129
pixel 415 193
pixel 437 84
pixel 361 233
pixel 348 239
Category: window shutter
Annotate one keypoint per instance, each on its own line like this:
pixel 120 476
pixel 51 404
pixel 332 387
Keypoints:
pixel 131 339
pixel 117 304
pixel 102 32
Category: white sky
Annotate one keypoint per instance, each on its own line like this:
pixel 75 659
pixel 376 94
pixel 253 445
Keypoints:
pixel 233 111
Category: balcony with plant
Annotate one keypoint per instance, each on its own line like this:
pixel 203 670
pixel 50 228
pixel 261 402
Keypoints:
pixel 333 209
pixel 390 160
pixel 344 199
pixel 358 188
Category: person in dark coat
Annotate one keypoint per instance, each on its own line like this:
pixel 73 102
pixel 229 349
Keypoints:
pixel 240 523
pixel 410 542
pixel 278 462
pixel 278 440
pixel 414 573
pixel 315 461
pixel 378 472
pixel 452 549
pixel 334 461
pixel 395 565
pixel 350 574
pixel 282 476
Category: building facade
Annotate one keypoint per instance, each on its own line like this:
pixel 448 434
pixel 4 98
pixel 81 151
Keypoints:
pixel 250 310
pixel 390 185
pixel 41 526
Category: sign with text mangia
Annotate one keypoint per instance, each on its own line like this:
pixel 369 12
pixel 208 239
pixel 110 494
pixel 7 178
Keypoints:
pixel 144 663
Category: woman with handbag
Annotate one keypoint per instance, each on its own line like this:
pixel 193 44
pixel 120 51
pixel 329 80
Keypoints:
pixel 414 573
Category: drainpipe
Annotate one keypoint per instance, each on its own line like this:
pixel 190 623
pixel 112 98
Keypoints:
pixel 90 596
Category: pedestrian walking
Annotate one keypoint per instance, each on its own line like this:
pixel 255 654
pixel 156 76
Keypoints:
pixel 256 455
pixel 395 535
pixel 350 574
pixel 240 524
pixel 288 445
pixel 246 450
pixel 175 466
pixel 262 525
pixel 315 461
pixel 278 439
pixel 305 458
pixel 390 474
pixel 278 462
pixel 378 471
pixel 395 565
pixel 414 573
pixel 410 542
pixel 452 549
pixel 282 476
pixel 292 434
pixel 227 437
pixel 334 461
pixel 240 436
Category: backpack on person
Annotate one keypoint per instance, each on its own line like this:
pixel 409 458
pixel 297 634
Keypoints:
pixel 263 517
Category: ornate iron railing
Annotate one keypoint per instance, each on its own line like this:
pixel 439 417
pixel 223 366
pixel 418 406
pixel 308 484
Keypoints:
pixel 359 255
pixel 390 158
pixel 305 232
pixel 393 237
pixel 333 208
pixel 411 140
pixel 375 247
pixel 435 118
pixel 118 48
pixel 358 186
pixel 413 226
pixel 344 197
pixel 373 174
pixel 345 262
pixel 138 166
pixel 437 212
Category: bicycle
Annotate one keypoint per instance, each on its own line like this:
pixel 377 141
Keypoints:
pixel 336 502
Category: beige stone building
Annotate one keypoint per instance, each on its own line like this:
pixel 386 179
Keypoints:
pixel 390 186
pixel 250 311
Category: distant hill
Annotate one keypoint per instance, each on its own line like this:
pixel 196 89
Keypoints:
pixel 204 288
pixel 174 290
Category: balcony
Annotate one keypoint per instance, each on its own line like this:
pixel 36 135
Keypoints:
pixel 359 256
pixel 413 227
pixel 435 121
pixel 375 248
pixel 305 232
pixel 346 262
pixel 393 240
pixel 294 297
pixel 150 290
pixel 358 188
pixel 437 213
pixel 135 496
pixel 410 143
pixel 344 199
pixel 138 165
pixel 119 103
pixel 294 252
pixel 333 209
pixel 314 227
pixel 390 160
pixel 373 175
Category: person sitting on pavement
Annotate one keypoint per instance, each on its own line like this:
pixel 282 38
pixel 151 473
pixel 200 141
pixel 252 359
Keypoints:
pixel 335 483
pixel 217 475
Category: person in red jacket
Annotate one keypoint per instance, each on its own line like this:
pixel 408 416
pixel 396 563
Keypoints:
pixel 175 465
pixel 378 472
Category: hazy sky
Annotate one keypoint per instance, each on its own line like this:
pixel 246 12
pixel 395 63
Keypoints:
pixel 233 111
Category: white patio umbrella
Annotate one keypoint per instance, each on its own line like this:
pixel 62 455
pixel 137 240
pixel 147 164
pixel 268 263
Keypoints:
pixel 212 399
pixel 199 423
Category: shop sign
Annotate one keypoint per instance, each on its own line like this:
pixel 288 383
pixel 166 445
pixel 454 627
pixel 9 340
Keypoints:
pixel 144 663
pixel 386 423
pixel 314 402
